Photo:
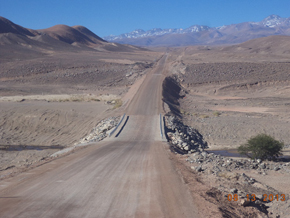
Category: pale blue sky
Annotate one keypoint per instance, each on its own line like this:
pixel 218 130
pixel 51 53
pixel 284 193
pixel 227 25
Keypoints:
pixel 105 17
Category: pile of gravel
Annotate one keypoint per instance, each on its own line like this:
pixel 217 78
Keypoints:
pixel 213 164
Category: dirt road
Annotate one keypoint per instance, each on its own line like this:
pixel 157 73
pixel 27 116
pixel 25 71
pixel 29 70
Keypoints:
pixel 127 176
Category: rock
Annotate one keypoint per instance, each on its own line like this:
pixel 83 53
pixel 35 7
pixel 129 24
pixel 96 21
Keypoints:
pixel 244 202
pixel 184 144
pixel 204 154
pixel 234 190
pixel 262 166
pixel 197 168
pixel 276 168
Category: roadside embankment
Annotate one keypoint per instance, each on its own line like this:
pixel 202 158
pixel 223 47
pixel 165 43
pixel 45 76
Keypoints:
pixel 221 178
pixel 183 138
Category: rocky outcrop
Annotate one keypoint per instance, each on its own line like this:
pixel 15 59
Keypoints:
pixel 182 137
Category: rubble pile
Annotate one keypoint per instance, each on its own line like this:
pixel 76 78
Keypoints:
pixel 101 130
pixel 183 137
pixel 214 164
pixel 225 169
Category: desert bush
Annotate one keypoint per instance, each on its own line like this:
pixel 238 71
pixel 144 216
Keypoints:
pixel 262 147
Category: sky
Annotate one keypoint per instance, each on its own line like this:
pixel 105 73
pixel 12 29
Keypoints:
pixel 106 17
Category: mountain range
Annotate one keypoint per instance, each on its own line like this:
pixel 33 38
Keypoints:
pixel 16 40
pixel 205 35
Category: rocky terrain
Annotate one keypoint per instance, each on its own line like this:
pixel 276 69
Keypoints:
pixel 224 102
pixel 243 178
pixel 227 95
pixel 231 178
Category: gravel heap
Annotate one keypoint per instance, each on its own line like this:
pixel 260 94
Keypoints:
pixel 182 137
pixel 101 130
pixel 213 164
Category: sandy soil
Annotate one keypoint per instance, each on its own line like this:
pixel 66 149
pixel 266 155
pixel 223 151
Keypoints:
pixel 32 130
pixel 228 117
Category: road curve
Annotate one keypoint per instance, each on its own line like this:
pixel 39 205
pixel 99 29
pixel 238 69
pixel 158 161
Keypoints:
pixel 127 176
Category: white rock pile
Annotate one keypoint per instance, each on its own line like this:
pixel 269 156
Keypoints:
pixel 101 130
pixel 214 164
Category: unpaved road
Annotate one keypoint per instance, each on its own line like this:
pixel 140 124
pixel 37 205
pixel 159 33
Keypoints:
pixel 127 176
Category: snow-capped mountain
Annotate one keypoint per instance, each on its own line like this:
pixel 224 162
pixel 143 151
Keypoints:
pixel 139 33
pixel 199 34
pixel 272 21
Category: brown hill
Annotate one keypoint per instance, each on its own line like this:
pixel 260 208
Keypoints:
pixel 67 34
pixel 17 42
pixel 93 37
pixel 6 26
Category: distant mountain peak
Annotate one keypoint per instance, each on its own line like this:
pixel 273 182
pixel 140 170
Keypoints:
pixel 272 20
pixel 201 34
pixel 273 16
pixel 139 33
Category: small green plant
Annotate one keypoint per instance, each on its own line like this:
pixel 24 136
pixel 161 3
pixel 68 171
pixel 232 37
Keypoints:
pixel 262 147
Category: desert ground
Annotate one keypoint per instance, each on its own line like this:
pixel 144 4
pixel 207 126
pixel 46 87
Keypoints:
pixel 228 93
pixel 51 102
